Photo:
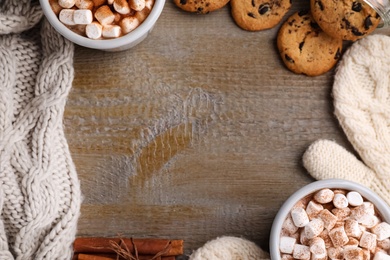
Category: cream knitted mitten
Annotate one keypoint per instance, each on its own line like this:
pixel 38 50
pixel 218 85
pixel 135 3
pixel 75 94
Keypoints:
pixel 229 248
pixel 39 188
pixel 361 94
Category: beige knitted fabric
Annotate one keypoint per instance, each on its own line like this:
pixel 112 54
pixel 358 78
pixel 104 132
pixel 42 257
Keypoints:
pixel 39 189
pixel 229 248
pixel 361 94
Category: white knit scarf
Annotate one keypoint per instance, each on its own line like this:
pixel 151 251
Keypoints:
pixel 39 188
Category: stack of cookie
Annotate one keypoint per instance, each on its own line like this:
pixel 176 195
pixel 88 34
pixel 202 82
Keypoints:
pixel 310 42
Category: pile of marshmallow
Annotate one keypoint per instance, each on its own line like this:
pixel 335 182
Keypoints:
pixel 102 19
pixel 334 224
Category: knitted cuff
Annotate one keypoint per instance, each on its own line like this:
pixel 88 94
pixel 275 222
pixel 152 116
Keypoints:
pixel 17 16
pixel 224 248
pixel 361 99
pixel 41 191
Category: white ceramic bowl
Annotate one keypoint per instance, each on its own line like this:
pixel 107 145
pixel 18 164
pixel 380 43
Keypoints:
pixel 121 43
pixel 369 195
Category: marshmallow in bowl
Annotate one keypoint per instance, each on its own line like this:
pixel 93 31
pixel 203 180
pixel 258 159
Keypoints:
pixel 116 17
pixel 335 224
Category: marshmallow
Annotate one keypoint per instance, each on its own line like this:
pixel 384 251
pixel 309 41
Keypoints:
pixel 317 248
pixel 84 4
pixel 367 208
pixel 111 31
pixel 324 196
pixel 287 257
pixel 341 214
pixel 352 253
pixel 352 228
pixel 313 209
pixel 301 252
pixel 66 16
pixel 314 257
pixel 354 198
pixel 335 252
pixel 121 6
pixel 325 236
pixel 128 24
pixel 110 2
pixel 94 30
pixel 289 226
pixel 137 5
pixel 338 236
pixel 149 4
pixel 384 244
pixel 382 230
pixel 104 15
pixel 286 244
pixel 303 239
pixel 368 240
pixel 369 221
pixel 141 15
pixel 66 3
pixel 381 256
pixel 328 218
pixel 340 201
pixel 82 16
pixel 299 217
pixel 314 228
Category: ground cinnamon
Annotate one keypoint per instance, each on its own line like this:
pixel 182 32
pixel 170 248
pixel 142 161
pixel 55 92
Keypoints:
pixel 144 246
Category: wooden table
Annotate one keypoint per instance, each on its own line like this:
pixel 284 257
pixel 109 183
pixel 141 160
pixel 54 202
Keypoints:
pixel 197 132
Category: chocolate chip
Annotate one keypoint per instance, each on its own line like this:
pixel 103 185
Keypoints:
pixel 301 46
pixel 314 25
pixel 338 54
pixel 253 3
pixel 356 31
pixel 199 10
pixel 263 8
pixel 251 15
pixel 320 5
pixel 347 23
pixel 183 2
pixel 303 12
pixel 288 58
pixel 356 6
pixel 291 23
pixel 367 22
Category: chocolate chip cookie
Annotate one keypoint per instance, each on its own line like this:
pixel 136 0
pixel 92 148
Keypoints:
pixel 256 15
pixel 200 6
pixel 305 48
pixel 344 19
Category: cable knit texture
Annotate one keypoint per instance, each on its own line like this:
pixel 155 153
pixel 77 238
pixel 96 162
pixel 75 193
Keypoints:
pixel 362 106
pixel 229 248
pixel 39 188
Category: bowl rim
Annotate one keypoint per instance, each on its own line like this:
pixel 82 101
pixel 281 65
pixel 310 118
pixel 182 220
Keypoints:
pixel 104 44
pixel 284 210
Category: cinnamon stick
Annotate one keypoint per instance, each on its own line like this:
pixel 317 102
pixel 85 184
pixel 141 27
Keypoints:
pixel 144 246
pixel 97 257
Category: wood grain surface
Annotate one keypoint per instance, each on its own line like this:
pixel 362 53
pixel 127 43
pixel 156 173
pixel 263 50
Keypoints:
pixel 197 132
